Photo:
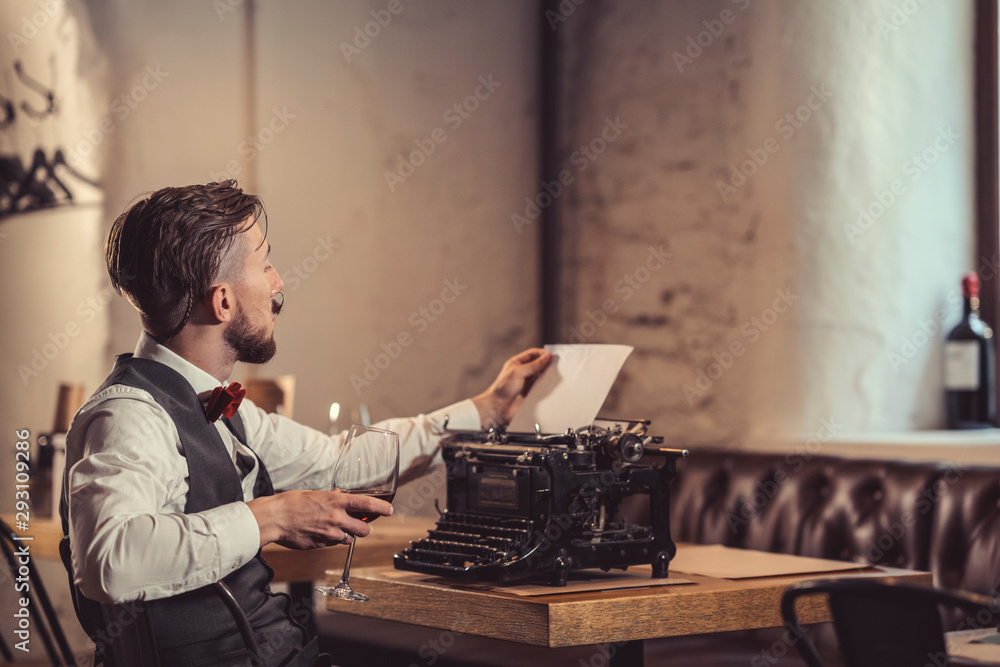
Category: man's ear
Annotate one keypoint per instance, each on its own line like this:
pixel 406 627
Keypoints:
pixel 221 304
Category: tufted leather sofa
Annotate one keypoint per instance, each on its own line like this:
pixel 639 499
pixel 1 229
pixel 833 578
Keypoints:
pixel 923 516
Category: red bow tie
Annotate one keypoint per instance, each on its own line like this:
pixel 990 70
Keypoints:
pixel 224 401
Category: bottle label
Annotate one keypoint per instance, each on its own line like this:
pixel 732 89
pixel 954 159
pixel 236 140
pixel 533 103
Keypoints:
pixel 961 365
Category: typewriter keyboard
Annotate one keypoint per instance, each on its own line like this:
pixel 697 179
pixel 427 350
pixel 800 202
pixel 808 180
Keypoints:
pixel 460 540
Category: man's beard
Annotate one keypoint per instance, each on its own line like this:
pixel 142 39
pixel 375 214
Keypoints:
pixel 253 346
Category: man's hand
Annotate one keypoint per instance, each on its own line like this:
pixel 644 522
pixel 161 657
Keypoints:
pixel 310 519
pixel 498 404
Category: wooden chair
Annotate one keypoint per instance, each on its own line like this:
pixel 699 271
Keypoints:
pixel 41 614
pixel 272 394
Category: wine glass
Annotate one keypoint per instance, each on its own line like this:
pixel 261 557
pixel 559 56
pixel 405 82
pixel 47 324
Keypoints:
pixel 368 465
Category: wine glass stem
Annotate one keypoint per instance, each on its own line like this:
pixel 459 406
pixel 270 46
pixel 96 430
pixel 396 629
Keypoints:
pixel 347 565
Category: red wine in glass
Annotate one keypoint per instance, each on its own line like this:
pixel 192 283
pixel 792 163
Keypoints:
pixel 387 497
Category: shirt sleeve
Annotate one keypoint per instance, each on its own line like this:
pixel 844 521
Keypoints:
pixel 126 484
pixel 299 457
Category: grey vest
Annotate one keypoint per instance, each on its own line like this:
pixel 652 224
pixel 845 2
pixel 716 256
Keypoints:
pixel 195 628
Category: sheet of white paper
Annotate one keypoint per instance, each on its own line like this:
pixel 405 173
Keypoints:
pixel 572 389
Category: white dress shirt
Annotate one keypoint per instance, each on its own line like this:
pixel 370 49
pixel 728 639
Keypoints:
pixel 127 483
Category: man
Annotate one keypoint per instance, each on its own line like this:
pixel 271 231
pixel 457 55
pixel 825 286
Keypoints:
pixel 163 496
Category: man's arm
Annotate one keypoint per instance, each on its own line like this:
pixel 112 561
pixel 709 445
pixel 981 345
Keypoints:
pixel 310 519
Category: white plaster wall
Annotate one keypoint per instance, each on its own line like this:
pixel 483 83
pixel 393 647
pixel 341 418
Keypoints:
pixel 177 95
pixel 886 90
pixel 54 322
pixel 323 178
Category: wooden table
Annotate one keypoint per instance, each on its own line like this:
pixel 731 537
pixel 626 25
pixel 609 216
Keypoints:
pixel 623 617
pixel 390 535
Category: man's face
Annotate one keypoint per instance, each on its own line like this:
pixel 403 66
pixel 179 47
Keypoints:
pixel 251 332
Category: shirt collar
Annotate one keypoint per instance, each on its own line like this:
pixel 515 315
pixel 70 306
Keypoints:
pixel 201 381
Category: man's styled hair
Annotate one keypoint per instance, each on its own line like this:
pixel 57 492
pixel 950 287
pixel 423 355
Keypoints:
pixel 165 251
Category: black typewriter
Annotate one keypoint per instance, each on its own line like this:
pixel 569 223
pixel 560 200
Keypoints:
pixel 526 504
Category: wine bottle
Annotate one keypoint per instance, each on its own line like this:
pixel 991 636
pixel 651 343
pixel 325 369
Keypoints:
pixel 969 374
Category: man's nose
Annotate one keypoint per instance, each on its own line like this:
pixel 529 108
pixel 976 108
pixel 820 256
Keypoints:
pixel 277 284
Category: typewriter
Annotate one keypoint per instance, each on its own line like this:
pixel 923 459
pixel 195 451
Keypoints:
pixel 523 505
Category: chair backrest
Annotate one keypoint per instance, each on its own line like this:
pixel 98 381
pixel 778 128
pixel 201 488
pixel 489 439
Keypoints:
pixel 272 394
pixel 39 610
pixel 881 623
pixel 123 634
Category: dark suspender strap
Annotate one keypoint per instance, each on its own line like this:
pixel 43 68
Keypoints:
pixel 262 486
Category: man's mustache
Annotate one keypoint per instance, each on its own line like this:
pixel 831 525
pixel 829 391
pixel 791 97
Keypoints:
pixel 277 302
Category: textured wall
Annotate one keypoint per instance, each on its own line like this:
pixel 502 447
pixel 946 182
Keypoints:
pixel 755 132
pixel 408 150
pixel 53 321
